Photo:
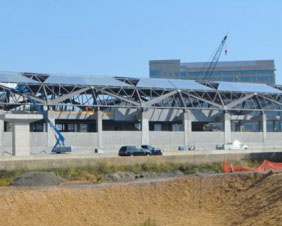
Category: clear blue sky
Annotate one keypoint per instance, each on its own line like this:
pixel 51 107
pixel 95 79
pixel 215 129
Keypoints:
pixel 119 37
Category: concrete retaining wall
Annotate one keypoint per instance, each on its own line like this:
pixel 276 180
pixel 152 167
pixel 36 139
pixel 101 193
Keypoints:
pixel 168 141
pixel 58 161
pixel 113 140
pixel 38 142
pixel 273 139
pixel 204 140
pixel 252 139
pixel 82 142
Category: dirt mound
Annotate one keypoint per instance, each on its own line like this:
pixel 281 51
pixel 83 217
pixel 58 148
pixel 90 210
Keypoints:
pixel 221 200
pixel 130 176
pixel 37 179
pixel 121 177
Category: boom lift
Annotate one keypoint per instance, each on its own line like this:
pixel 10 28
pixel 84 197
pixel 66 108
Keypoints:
pixel 215 59
pixel 59 146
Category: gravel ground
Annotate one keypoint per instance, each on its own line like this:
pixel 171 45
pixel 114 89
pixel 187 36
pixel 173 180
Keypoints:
pixel 129 176
pixel 37 179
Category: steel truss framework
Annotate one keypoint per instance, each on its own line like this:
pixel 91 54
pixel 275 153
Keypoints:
pixel 80 97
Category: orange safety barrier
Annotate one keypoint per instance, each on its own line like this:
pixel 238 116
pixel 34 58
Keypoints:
pixel 265 166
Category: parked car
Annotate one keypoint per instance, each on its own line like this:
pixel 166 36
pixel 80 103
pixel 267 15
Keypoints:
pixel 133 150
pixel 153 150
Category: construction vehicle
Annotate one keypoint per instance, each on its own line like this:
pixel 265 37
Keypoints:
pixel 215 60
pixel 59 146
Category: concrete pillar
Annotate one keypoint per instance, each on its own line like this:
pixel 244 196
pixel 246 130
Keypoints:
pixel 21 132
pixel 51 139
pixel 99 126
pixel 20 139
pixel 145 128
pixel 227 128
pixel 187 126
pixel 1 133
pixel 263 126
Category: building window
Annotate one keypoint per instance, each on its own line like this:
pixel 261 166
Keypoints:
pixel 183 75
pixel 228 79
pixel 176 127
pixel 246 79
pixel 137 126
pixel 265 78
pixel 248 72
pixel 155 73
pixel 265 71
pixel 37 127
pixel 157 127
pixel 199 73
pixel 83 128
pixel 60 127
pixel 217 73
pixel 229 72
pixel 70 127
pixel 7 127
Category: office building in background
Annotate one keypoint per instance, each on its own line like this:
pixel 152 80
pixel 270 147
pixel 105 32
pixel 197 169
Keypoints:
pixel 256 71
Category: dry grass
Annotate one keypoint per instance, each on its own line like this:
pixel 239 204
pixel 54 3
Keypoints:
pixel 219 200
pixel 99 171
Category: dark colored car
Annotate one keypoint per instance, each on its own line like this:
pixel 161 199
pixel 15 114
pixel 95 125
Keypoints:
pixel 153 150
pixel 133 150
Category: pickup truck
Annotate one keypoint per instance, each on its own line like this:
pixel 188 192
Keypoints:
pixel 232 146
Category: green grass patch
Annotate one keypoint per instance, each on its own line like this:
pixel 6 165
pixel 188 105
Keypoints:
pixel 149 222
pixel 97 172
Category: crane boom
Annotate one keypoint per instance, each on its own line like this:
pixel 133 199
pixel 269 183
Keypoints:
pixel 59 146
pixel 215 59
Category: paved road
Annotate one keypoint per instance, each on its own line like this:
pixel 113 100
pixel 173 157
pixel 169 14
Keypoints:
pixel 115 155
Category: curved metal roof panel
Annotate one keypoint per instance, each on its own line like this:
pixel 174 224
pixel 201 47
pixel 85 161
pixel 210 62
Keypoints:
pixel 189 85
pixel 247 87
pixel 93 81
pixel 13 77
pixel 155 83
pixel 171 84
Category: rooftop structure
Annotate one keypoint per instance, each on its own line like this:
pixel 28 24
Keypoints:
pixel 80 92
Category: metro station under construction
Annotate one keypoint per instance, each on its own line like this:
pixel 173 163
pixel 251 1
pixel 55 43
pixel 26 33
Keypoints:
pixel 108 112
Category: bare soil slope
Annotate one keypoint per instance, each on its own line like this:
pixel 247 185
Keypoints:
pixel 233 199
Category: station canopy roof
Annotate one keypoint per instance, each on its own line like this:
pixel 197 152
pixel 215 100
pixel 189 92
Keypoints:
pixel 246 87
pixel 145 83
pixel 14 77
pixel 171 84
pixel 81 80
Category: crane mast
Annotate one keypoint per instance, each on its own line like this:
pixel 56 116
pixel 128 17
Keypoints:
pixel 215 59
